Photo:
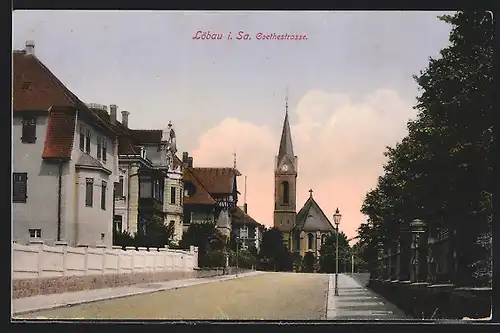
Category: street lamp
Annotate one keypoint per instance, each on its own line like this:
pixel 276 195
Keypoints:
pixel 336 219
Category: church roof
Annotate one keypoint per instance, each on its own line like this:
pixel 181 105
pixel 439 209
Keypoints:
pixel 312 218
pixel 286 147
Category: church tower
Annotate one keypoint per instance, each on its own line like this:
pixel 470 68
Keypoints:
pixel 285 184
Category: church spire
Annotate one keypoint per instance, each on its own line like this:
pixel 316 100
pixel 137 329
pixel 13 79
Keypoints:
pixel 286 147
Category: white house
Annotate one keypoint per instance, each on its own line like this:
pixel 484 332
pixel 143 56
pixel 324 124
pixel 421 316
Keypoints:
pixel 65 160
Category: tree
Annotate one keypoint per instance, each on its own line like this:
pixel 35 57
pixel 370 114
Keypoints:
pixel 308 262
pixel 155 234
pixel 210 242
pixel 327 253
pixel 440 171
pixel 273 253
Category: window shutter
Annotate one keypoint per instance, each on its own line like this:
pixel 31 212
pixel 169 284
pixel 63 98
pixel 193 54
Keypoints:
pixel 19 187
pixel 98 148
pixel 29 130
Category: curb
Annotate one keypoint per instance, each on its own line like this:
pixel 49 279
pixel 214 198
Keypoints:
pixel 114 297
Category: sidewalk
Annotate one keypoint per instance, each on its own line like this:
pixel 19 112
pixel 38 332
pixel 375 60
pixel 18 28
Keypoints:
pixel 356 302
pixel 43 302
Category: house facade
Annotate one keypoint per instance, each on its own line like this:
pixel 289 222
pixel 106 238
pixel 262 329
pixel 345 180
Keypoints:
pixel 150 181
pixel 210 195
pixel 64 160
pixel 245 229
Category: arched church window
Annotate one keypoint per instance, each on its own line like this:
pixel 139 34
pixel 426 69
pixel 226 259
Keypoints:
pixel 310 241
pixel 285 192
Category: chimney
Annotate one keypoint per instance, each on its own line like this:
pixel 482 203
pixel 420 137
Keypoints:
pixel 30 47
pixel 185 157
pixel 190 162
pixel 125 118
pixel 113 108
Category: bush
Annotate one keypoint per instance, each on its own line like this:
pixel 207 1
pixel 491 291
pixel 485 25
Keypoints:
pixel 212 259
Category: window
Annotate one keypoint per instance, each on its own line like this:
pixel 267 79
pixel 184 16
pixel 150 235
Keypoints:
pixel 99 147
pixel 104 186
pixel 119 188
pixel 310 241
pixel 89 192
pixel 87 141
pixel 29 129
pixel 180 197
pixel 117 222
pixel 244 232
pixel 35 233
pixel 102 237
pixel 156 188
pixel 104 150
pixel 285 192
pixel 172 195
pixel 323 240
pixel 19 186
pixel 145 188
pixel 82 138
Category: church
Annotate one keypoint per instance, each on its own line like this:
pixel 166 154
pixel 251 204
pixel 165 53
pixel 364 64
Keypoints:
pixel 306 230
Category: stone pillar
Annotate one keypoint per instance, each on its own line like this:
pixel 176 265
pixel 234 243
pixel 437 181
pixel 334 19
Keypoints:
pixel 419 248
pixel 64 246
pixel 133 199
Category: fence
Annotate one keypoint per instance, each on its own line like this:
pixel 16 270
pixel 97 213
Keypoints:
pixel 423 276
pixel 38 260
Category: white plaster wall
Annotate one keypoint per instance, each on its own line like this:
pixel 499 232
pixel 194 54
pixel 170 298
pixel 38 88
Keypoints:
pixel 40 209
pixel 40 260
pixel 94 221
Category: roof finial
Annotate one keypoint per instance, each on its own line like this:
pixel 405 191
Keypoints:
pixel 311 193
pixel 234 160
pixel 169 123
pixel 286 100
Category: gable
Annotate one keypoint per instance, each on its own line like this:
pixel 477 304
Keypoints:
pixel 312 218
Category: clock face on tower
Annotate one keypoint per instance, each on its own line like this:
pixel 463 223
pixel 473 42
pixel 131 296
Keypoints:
pixel 284 168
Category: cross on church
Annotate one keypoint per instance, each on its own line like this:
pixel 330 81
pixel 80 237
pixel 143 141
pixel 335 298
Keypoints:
pixel 311 192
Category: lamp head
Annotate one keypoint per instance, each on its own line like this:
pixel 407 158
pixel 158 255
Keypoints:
pixel 336 217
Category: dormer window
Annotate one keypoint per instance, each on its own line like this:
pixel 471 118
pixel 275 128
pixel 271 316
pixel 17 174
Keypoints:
pixel 27 85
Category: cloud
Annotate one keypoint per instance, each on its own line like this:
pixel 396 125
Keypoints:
pixel 339 143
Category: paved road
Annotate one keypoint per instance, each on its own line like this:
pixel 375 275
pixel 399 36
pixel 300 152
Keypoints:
pixel 273 296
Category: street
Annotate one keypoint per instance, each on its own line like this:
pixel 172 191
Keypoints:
pixel 269 296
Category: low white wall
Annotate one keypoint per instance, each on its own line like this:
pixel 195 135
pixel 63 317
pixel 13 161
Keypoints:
pixel 39 260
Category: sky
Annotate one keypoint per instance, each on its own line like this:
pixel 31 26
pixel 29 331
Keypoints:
pixel 350 87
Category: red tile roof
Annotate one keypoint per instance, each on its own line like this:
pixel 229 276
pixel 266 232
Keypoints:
pixel 239 217
pixel 36 88
pixel 60 133
pixel 201 195
pixel 216 180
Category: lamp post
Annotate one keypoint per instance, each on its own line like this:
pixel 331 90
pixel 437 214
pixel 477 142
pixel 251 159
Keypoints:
pixel 336 219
